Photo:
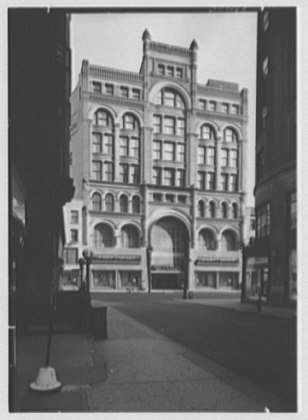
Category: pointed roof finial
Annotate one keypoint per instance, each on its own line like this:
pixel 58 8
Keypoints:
pixel 146 35
pixel 194 45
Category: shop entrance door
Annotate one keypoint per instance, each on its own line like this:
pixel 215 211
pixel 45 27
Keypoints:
pixel 169 242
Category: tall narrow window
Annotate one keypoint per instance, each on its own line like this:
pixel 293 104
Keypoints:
pixel 169 125
pixel 180 152
pixel 108 171
pixel 224 210
pixel 224 182
pixel 97 142
pixel 108 144
pixel 136 204
pixel 157 176
pixel 123 146
pixel 211 106
pixel 134 147
pixel 201 180
pixel 201 211
pixel 180 178
pixel 212 208
pixel 124 173
pixel 181 127
pixel 234 211
pixel 210 156
pixel 96 202
pixel 168 153
pixel 224 157
pixel 135 174
pixel 210 178
pixel 169 177
pixel 233 158
pixel 201 155
pixel 161 69
pixel 156 150
pixel 225 108
pixel 157 123
pixel 123 204
pixel 97 170
pixel 109 203
pixel 136 94
pixel 74 216
pixel 74 235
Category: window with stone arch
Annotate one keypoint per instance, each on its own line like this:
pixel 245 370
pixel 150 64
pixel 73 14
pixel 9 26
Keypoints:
pixel 229 241
pixel 234 210
pixel 224 210
pixel 169 135
pixel 130 148
pixel 230 135
pixel 136 204
pixel 207 240
pixel 103 236
pixel 129 237
pixel 96 202
pixel 170 97
pixel 109 203
pixel 130 122
pixel 201 208
pixel 207 132
pixel 103 118
pixel 212 209
pixel 123 204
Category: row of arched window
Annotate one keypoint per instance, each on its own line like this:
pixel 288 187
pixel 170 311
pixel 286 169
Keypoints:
pixel 225 211
pixel 129 121
pixel 207 240
pixel 103 236
pixel 109 203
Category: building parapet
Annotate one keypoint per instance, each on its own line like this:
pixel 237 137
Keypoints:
pixel 170 49
pixel 115 74
pixel 114 100
pixel 218 92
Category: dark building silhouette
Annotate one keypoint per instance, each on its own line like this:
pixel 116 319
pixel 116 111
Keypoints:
pixel 271 263
pixel 39 116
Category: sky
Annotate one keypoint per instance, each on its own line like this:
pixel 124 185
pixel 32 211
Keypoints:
pixel 227 49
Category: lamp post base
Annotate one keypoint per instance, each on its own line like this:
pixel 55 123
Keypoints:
pixel 46 381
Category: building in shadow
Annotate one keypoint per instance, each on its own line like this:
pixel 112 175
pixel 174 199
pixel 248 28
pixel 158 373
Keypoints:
pixel 39 60
pixel 271 262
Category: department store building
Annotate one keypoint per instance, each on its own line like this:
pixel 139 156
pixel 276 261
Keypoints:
pixel 159 164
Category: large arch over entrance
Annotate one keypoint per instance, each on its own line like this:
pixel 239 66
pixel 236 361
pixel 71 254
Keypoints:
pixel 169 242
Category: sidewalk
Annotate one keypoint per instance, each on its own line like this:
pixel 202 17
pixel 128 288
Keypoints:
pixel 236 305
pixel 135 370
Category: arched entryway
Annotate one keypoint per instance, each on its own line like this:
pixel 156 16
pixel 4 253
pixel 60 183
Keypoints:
pixel 169 241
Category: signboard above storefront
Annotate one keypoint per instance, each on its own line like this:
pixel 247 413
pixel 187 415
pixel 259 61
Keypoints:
pixel 214 261
pixel 116 259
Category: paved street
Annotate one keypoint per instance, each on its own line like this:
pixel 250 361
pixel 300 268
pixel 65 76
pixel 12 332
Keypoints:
pixel 260 348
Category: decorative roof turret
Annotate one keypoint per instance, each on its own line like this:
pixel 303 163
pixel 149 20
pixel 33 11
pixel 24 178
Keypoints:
pixel 194 45
pixel 146 35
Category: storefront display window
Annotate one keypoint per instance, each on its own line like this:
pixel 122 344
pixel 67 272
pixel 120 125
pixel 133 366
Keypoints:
pixel 228 280
pixel 129 279
pixel 257 277
pixel 206 279
pixel 103 279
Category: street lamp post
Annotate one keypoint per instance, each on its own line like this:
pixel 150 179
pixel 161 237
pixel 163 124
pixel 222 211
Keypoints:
pixel 149 252
pixel 243 286
pixel 87 256
pixel 81 265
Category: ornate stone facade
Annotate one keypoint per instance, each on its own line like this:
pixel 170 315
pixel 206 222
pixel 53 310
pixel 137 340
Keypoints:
pixel 158 162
